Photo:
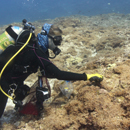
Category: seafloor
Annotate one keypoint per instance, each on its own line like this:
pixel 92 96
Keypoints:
pixel 97 44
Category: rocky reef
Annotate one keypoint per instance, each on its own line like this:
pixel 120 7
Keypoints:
pixel 97 44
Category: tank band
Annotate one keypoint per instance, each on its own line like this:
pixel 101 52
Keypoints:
pixel 11 32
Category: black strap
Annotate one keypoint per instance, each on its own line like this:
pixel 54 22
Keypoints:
pixel 11 32
pixel 21 68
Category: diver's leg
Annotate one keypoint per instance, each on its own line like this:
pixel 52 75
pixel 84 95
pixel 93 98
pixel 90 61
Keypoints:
pixel 3 101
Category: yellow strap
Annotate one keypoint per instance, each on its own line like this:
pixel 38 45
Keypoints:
pixel 10 61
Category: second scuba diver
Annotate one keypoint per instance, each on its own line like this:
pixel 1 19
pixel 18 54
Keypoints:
pixel 31 58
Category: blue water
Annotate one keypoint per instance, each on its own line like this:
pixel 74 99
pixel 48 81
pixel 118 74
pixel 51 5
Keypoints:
pixel 32 10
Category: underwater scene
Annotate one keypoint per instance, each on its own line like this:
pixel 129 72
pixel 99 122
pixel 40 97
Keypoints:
pixel 95 39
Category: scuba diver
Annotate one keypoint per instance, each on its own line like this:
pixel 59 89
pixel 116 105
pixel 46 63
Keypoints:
pixel 33 56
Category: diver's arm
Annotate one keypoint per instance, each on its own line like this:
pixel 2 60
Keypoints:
pixel 54 72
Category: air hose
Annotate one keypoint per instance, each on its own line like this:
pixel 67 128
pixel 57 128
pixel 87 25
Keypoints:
pixel 11 97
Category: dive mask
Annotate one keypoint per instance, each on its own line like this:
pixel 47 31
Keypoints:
pixel 56 39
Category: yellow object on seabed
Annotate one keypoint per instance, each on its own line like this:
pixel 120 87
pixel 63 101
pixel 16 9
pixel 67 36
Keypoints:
pixel 66 88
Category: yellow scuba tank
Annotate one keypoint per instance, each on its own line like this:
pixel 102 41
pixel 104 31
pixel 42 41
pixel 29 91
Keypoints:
pixel 9 37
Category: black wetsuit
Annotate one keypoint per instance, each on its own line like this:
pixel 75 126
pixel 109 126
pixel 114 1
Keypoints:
pixel 26 63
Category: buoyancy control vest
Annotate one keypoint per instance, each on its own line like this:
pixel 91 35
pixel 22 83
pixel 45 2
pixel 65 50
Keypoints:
pixel 11 41
pixel 28 30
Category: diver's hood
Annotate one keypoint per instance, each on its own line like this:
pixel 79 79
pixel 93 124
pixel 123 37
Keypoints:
pixel 45 42
pixel 46 27
pixel 43 38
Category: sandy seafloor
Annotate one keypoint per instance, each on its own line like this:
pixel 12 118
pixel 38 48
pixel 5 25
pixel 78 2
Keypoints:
pixel 97 44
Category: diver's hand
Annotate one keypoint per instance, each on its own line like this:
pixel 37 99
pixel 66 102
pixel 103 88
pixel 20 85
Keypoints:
pixel 94 77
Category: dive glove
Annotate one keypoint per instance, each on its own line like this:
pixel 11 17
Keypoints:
pixel 94 77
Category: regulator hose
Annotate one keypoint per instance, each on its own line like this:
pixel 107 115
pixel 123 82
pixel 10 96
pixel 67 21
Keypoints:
pixel 11 97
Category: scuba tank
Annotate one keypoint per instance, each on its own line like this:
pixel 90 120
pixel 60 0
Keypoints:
pixel 13 34
pixel 9 37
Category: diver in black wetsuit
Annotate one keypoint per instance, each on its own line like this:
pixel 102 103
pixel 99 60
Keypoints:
pixel 31 58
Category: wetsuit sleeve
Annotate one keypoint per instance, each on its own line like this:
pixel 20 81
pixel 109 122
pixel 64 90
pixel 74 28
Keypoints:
pixel 54 72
